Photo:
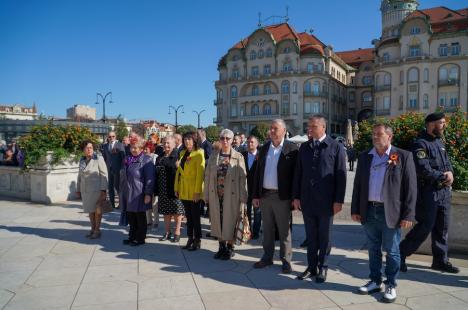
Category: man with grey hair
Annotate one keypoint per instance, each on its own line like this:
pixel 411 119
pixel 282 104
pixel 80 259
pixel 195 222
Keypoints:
pixel 272 192
pixel 179 143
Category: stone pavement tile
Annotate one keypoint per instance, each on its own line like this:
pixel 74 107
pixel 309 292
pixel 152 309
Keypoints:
pixel 234 300
pixel 411 288
pixel 109 292
pixel 20 263
pixel 271 278
pixel 221 282
pixel 341 289
pixel 175 286
pixel 111 273
pixel 65 261
pixel 163 267
pixel 297 299
pixel 106 256
pixel 68 247
pixel 131 305
pixel 444 282
pixel 56 276
pixel 463 295
pixel 355 267
pixel 436 301
pixel 13 280
pixel 375 306
pixel 46 298
pixel 30 246
pixel 173 303
pixel 5 297
pixel 202 262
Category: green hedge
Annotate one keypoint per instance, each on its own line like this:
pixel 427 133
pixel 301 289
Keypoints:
pixel 406 127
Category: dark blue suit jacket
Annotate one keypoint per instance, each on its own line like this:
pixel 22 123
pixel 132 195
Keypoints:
pixel 319 186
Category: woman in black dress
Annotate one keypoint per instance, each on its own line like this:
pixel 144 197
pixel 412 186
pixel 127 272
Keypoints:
pixel 169 205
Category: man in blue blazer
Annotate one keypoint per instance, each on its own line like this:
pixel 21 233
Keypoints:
pixel 319 190
pixel 384 200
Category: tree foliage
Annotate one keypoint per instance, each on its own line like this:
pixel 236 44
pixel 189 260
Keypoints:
pixel 186 128
pixel 261 132
pixel 212 133
pixel 121 130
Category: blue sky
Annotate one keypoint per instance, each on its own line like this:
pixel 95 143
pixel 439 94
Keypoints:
pixel 151 54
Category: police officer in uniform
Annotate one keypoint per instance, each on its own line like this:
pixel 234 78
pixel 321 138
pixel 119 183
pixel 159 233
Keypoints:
pixel 435 177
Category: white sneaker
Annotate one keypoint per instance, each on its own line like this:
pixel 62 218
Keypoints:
pixel 390 294
pixel 370 287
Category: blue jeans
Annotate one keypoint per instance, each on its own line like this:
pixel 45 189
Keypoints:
pixel 379 237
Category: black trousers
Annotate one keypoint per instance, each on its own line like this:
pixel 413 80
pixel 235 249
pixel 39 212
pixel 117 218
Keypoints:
pixel 192 213
pixel 318 235
pixel 257 218
pixel 113 184
pixel 434 220
pixel 137 222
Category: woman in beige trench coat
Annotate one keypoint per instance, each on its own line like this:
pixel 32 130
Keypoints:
pixel 226 193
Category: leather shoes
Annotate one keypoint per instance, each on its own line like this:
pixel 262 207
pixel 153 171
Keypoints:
pixel 262 264
pixel 286 267
pixel 166 236
pixel 322 275
pixel 445 267
pixel 308 273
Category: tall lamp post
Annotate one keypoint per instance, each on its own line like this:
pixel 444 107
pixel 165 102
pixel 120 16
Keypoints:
pixel 198 116
pixel 176 111
pixel 103 98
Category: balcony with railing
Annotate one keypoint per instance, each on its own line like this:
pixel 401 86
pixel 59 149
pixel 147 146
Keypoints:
pixel 381 88
pixel 259 116
pixel 312 93
pixel 449 82
pixel 259 97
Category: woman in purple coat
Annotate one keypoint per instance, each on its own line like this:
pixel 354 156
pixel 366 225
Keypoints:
pixel 136 190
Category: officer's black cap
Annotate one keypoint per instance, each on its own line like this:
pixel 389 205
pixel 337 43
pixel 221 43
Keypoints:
pixel 434 117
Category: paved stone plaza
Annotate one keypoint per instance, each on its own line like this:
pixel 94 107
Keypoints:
pixel 47 263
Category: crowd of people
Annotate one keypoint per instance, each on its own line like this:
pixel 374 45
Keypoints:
pixel 10 154
pixel 188 177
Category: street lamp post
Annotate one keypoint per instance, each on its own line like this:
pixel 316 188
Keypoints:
pixel 176 110
pixel 198 116
pixel 103 98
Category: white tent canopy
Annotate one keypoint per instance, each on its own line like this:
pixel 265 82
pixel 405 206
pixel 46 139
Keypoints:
pixel 299 139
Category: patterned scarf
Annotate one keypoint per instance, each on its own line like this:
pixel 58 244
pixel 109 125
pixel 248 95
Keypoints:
pixel 132 159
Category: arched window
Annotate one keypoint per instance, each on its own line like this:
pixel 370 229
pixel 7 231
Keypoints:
pixel 387 79
pixel 269 53
pixel 366 97
pixel 307 88
pixel 233 91
pixel 386 57
pixel 294 87
pixel 285 87
pixel 255 90
pixel 443 74
pixel 426 75
pixel 254 109
pixel 260 54
pixel 413 75
pixel 267 89
pixel 287 50
pixel 377 79
pixel 266 109
pixel 253 55
pixel 316 88
pixel 453 73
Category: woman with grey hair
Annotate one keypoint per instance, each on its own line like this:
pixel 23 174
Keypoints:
pixel 225 173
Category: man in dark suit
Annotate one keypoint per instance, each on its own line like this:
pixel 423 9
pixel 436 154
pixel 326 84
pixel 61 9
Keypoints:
pixel 207 150
pixel 114 153
pixel 250 157
pixel 272 191
pixel 384 199
pixel 319 190
pixel 179 143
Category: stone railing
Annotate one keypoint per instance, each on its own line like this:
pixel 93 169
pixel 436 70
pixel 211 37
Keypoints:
pixel 44 183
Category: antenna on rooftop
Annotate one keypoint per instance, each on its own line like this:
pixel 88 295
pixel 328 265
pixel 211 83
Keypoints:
pixel 286 18
pixel 259 20
pixel 270 20
pixel 311 31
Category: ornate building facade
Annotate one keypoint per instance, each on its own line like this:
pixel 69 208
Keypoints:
pixel 419 63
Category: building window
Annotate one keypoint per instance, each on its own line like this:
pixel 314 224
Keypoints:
pixel 366 98
pixel 402 77
pixel 413 75
pixel 414 51
pixel 254 71
pixel 386 57
pixel 400 103
pixel 455 48
pixel 285 87
pixel 443 50
pixel 267 89
pixel 233 110
pixel 316 89
pixel 412 100
pixel 253 55
pixel 443 74
pixel 366 68
pixel 233 92
pixel 235 58
pixel 287 67
pixel 269 53
pixel 310 67
pixel 307 88
pixel 387 79
pixel 453 74
pixel 260 54
pixel 426 101
pixel 254 110
pixel 266 69
pixel 426 75
pixel 294 87
pixel 367 80
pixel 442 100
pixel 415 30
pixel 386 103
pixel 235 73
pixel 453 100
pixel 295 108
pixel 312 107
pixel 255 90
pixel 266 109
pixel 286 50
pixel 242 111
pixel 320 67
